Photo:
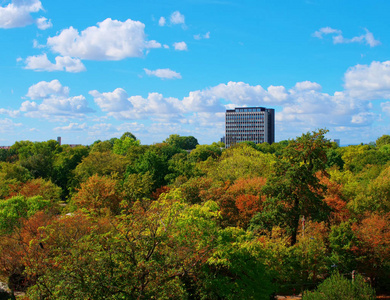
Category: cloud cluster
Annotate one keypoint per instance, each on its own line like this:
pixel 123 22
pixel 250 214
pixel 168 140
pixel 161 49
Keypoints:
pixel 18 13
pixel 109 40
pixel 338 38
pixel 63 63
pixel 368 82
pixel 299 108
pixel 55 102
pixel 176 18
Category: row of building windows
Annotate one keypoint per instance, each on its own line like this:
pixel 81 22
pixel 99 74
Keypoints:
pixel 245 117
pixel 249 109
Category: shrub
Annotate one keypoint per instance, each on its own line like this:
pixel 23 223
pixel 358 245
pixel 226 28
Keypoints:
pixel 337 287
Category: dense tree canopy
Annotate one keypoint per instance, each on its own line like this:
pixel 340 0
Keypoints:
pixel 179 220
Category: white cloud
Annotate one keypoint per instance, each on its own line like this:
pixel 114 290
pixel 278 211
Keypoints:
pixel 11 113
pixel 307 85
pixel 120 106
pixel 63 63
pixel 115 101
pixel 74 107
pixel 338 38
pixel 72 127
pixel 202 36
pixel 44 89
pixel 326 30
pixel 7 125
pixel 109 40
pixel 55 102
pixel 18 13
pixel 36 45
pixel 43 23
pixel 161 21
pixel 177 18
pixel 363 118
pixel 163 73
pixel 369 82
pixel 300 108
pixel 180 46
pixel 242 93
pixel 386 107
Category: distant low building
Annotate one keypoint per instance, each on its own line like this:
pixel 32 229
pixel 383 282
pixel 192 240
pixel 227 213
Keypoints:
pixel 5 147
pixel 254 124
pixel 337 141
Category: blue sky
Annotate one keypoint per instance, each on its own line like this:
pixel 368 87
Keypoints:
pixel 89 70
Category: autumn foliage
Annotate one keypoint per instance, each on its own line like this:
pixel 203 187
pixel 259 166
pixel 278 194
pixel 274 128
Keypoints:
pixel 122 220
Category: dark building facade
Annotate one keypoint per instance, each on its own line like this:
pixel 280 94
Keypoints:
pixel 255 124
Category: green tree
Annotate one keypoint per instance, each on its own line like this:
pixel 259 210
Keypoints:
pixel 203 152
pixel 239 161
pixel 182 142
pixel 101 163
pixel 101 146
pixel 383 140
pixel 182 167
pixel 122 146
pixel 337 287
pixel 128 134
pixel 153 163
pixel 64 165
pixel 294 190
pixel 15 209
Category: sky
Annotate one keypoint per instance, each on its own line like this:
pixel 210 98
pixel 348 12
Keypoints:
pixel 92 70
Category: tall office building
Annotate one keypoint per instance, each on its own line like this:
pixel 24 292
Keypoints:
pixel 255 124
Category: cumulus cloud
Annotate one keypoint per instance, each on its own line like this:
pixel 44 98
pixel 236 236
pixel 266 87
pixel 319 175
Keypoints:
pixel 177 18
pixel 338 38
pixel 163 73
pixel 109 40
pixel 300 108
pixel 307 85
pixel 115 101
pixel 55 101
pixel 120 106
pixel 69 107
pixel 369 82
pixel 161 21
pixel 44 89
pixel 43 23
pixel 363 118
pixel 18 13
pixel 180 46
pixel 63 63
pixel 242 93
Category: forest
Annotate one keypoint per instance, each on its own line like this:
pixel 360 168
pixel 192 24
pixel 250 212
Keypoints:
pixel 179 220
